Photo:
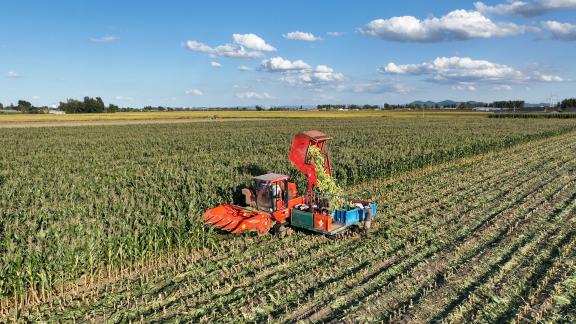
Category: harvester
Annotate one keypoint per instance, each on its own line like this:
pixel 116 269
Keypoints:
pixel 273 204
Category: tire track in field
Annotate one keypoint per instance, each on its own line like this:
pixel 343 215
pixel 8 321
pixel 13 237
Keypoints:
pixel 492 169
pixel 475 229
pixel 345 251
pixel 541 299
pixel 527 270
pixel 432 299
pixel 372 287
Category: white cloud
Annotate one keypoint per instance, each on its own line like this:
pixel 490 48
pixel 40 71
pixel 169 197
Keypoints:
pixel 321 75
pixel 226 50
pixel 303 36
pixel 198 47
pixel 244 68
pixel 253 41
pixel 194 92
pixel 123 98
pixel 254 95
pixel 457 69
pixel 215 64
pixel 558 4
pixel 457 25
pixel 256 47
pixel 35 97
pixel 514 8
pixel 380 86
pixel 13 74
pixel 335 34
pixel 464 69
pixel 299 72
pixel 464 86
pixel 326 74
pixel 279 64
pixel 104 39
pixel 525 8
pixel 561 31
pixel 547 78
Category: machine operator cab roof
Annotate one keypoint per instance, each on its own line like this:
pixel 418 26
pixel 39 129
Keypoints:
pixel 271 177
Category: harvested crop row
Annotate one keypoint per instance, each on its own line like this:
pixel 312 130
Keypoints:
pixel 427 274
pixel 311 258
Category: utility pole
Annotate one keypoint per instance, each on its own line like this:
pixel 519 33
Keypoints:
pixel 552 100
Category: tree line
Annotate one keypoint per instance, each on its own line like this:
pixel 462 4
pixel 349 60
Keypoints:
pixel 96 105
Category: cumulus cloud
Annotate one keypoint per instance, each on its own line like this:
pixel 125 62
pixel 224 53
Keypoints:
pixel 456 25
pixel 335 34
pixel 547 77
pixel 279 64
pixel 194 92
pixel 321 75
pixel 303 36
pixel 253 41
pixel 13 74
pixel 561 31
pixel 525 8
pixel 254 95
pixel 244 46
pixel 326 74
pixel 464 86
pixel 464 69
pixel 244 68
pixel 215 64
pixel 299 72
pixel 457 69
pixel 104 39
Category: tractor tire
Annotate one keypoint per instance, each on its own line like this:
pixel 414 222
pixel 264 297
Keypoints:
pixel 349 233
pixel 280 230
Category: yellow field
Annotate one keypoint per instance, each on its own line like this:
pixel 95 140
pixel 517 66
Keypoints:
pixel 19 118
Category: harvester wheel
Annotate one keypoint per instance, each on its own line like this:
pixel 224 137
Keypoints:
pixel 281 230
pixel 346 234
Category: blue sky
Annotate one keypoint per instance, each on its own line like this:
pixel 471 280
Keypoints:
pixel 237 53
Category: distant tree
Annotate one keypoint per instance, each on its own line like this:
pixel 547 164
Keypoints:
pixel 259 108
pixel 88 105
pixel 510 104
pixel 71 106
pixel 568 103
pixel 112 108
pixel 1 106
pixel 24 106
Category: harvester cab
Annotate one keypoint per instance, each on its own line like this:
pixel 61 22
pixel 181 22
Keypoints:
pixel 273 203
pixel 269 193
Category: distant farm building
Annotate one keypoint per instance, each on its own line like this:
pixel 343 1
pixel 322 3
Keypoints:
pixel 487 109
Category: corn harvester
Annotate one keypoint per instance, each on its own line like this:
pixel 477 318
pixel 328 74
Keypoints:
pixel 274 205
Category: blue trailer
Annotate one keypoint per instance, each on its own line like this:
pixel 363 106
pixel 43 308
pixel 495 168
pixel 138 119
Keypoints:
pixel 318 217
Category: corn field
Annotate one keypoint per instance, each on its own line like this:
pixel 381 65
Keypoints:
pixel 476 223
